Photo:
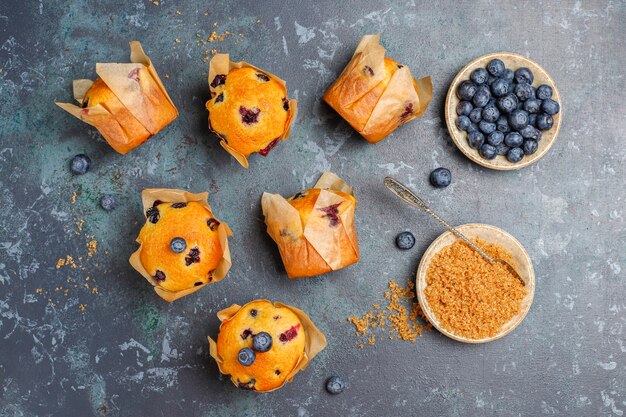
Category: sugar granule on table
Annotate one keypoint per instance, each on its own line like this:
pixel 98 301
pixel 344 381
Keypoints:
pixel 395 318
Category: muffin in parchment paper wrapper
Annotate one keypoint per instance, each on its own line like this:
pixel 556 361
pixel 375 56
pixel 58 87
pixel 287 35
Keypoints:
pixel 314 229
pixel 249 109
pixel 182 246
pixel 376 94
pixel 290 352
pixel 128 103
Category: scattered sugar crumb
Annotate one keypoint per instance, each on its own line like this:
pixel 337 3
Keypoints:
pixel 92 247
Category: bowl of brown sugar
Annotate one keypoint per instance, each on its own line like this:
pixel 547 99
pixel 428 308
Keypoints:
pixel 467 298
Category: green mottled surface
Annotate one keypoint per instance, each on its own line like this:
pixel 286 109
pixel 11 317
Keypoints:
pixel 128 353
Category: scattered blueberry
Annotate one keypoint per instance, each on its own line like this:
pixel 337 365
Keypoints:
pixel 405 240
pixel 479 76
pixel 442 177
pixel 335 385
pixel 178 245
pixel 466 90
pixel 544 92
pixel 550 107
pixel 507 103
pixel 246 356
pixel 476 139
pixel 532 105
pixel 107 202
pixel 544 122
pixel 530 147
pixel 481 98
pixel 495 138
pixel 524 91
pixel 502 124
pixel 524 75
pixel 463 122
pixel 486 127
pixel 515 155
pixel 496 67
pixel 476 115
pixel 488 151
pixel 502 149
pixel 518 119
pixel 490 113
pixel 500 87
pixel 262 342
pixel 513 140
pixel 464 108
pixel 80 164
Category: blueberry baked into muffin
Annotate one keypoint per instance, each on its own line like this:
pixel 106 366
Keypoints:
pixel 262 345
pixel 314 229
pixel 376 94
pixel 183 246
pixel 127 103
pixel 249 109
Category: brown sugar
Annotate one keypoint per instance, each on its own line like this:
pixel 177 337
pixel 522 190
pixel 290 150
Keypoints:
pixel 402 318
pixel 469 296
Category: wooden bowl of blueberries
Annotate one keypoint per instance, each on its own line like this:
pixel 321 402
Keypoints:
pixel 503 111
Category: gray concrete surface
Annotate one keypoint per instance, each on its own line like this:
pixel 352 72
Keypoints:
pixel 128 353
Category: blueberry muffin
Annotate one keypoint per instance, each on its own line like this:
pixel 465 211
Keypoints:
pixel 249 109
pixel 376 94
pixel 127 103
pixel 314 229
pixel 182 247
pixel 263 345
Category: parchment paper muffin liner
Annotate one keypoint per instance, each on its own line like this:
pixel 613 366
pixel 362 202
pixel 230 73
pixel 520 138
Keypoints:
pixel 315 340
pixel 221 64
pixel 372 109
pixel 168 195
pixel 313 244
pixel 144 106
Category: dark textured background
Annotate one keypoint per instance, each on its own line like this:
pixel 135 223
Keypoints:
pixel 130 353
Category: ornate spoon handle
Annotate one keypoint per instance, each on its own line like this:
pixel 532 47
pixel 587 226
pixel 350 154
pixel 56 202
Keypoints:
pixel 411 198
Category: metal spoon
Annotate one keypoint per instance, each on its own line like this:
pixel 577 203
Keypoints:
pixel 411 198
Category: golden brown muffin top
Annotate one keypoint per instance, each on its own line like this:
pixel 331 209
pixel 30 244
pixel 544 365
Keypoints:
pixel 304 202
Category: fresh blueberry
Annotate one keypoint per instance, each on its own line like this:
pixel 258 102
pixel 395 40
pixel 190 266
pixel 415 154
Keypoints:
pixel 491 102
pixel 513 140
pixel 502 124
pixel 486 127
pixel 532 119
pixel 524 75
pixel 532 105
pixel 500 87
pixel 335 385
pixel 466 90
pixel 463 122
pixel 550 107
pixel 491 80
pixel 515 155
pixel 530 147
pixel 528 132
pixel 405 240
pixel 508 75
pixel 475 139
pixel 487 151
pixel 543 92
pixel 441 177
pixel 476 115
pixel 482 96
pixel 496 67
pixel 544 122
pixel 80 164
pixel 178 245
pixel 490 113
pixel 524 91
pixel 464 108
pixel 502 149
pixel 507 103
pixel 262 342
pixel 479 76
pixel 495 138
pixel 246 356
pixel 472 127
pixel 107 202
pixel 518 119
